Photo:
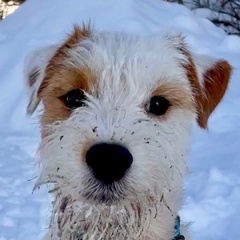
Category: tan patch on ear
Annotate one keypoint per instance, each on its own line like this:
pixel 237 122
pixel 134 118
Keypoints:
pixel 214 87
pixel 215 82
pixel 59 79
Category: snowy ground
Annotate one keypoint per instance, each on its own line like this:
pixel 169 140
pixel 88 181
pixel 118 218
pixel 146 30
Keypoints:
pixel 212 195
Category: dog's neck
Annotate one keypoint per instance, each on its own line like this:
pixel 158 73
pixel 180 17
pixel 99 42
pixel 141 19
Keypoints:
pixel 177 228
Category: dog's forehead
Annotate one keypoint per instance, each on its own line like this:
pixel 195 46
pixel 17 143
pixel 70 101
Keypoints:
pixel 119 59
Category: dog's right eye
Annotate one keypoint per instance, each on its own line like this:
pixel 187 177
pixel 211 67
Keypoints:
pixel 74 99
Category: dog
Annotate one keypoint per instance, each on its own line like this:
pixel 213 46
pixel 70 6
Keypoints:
pixel 118 111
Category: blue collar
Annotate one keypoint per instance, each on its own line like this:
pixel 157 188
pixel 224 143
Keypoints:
pixel 177 229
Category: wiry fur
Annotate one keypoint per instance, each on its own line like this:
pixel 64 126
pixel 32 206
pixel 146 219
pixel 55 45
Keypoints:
pixel 151 187
pixel 143 205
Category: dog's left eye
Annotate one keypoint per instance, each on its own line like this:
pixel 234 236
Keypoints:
pixel 158 105
pixel 74 98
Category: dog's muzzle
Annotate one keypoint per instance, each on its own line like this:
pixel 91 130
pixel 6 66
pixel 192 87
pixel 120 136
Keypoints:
pixel 108 162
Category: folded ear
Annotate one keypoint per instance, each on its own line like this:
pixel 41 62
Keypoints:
pixel 34 72
pixel 213 77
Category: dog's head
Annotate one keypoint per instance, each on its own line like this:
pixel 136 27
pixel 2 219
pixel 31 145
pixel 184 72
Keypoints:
pixel 118 112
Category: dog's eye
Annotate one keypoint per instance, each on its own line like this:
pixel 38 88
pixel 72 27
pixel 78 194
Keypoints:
pixel 158 105
pixel 74 99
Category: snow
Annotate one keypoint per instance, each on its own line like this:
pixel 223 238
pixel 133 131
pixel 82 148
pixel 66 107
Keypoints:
pixel 212 188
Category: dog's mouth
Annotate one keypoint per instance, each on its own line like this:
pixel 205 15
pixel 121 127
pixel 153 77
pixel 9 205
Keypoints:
pixel 91 190
pixel 108 194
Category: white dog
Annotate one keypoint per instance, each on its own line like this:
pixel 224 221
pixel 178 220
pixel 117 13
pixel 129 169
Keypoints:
pixel 116 126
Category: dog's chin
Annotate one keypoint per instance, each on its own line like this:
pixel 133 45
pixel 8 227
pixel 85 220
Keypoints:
pixel 104 215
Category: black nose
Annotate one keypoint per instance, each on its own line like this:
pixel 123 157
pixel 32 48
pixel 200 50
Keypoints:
pixel 109 162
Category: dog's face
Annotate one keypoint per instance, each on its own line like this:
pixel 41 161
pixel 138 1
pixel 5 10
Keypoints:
pixel 118 112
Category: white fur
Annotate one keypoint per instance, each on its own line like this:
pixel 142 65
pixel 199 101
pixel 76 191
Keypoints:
pixel 128 69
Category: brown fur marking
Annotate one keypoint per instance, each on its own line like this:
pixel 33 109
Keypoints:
pixel 215 84
pixel 60 79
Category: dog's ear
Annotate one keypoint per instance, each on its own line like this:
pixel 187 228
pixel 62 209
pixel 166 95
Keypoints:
pixel 34 72
pixel 213 78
